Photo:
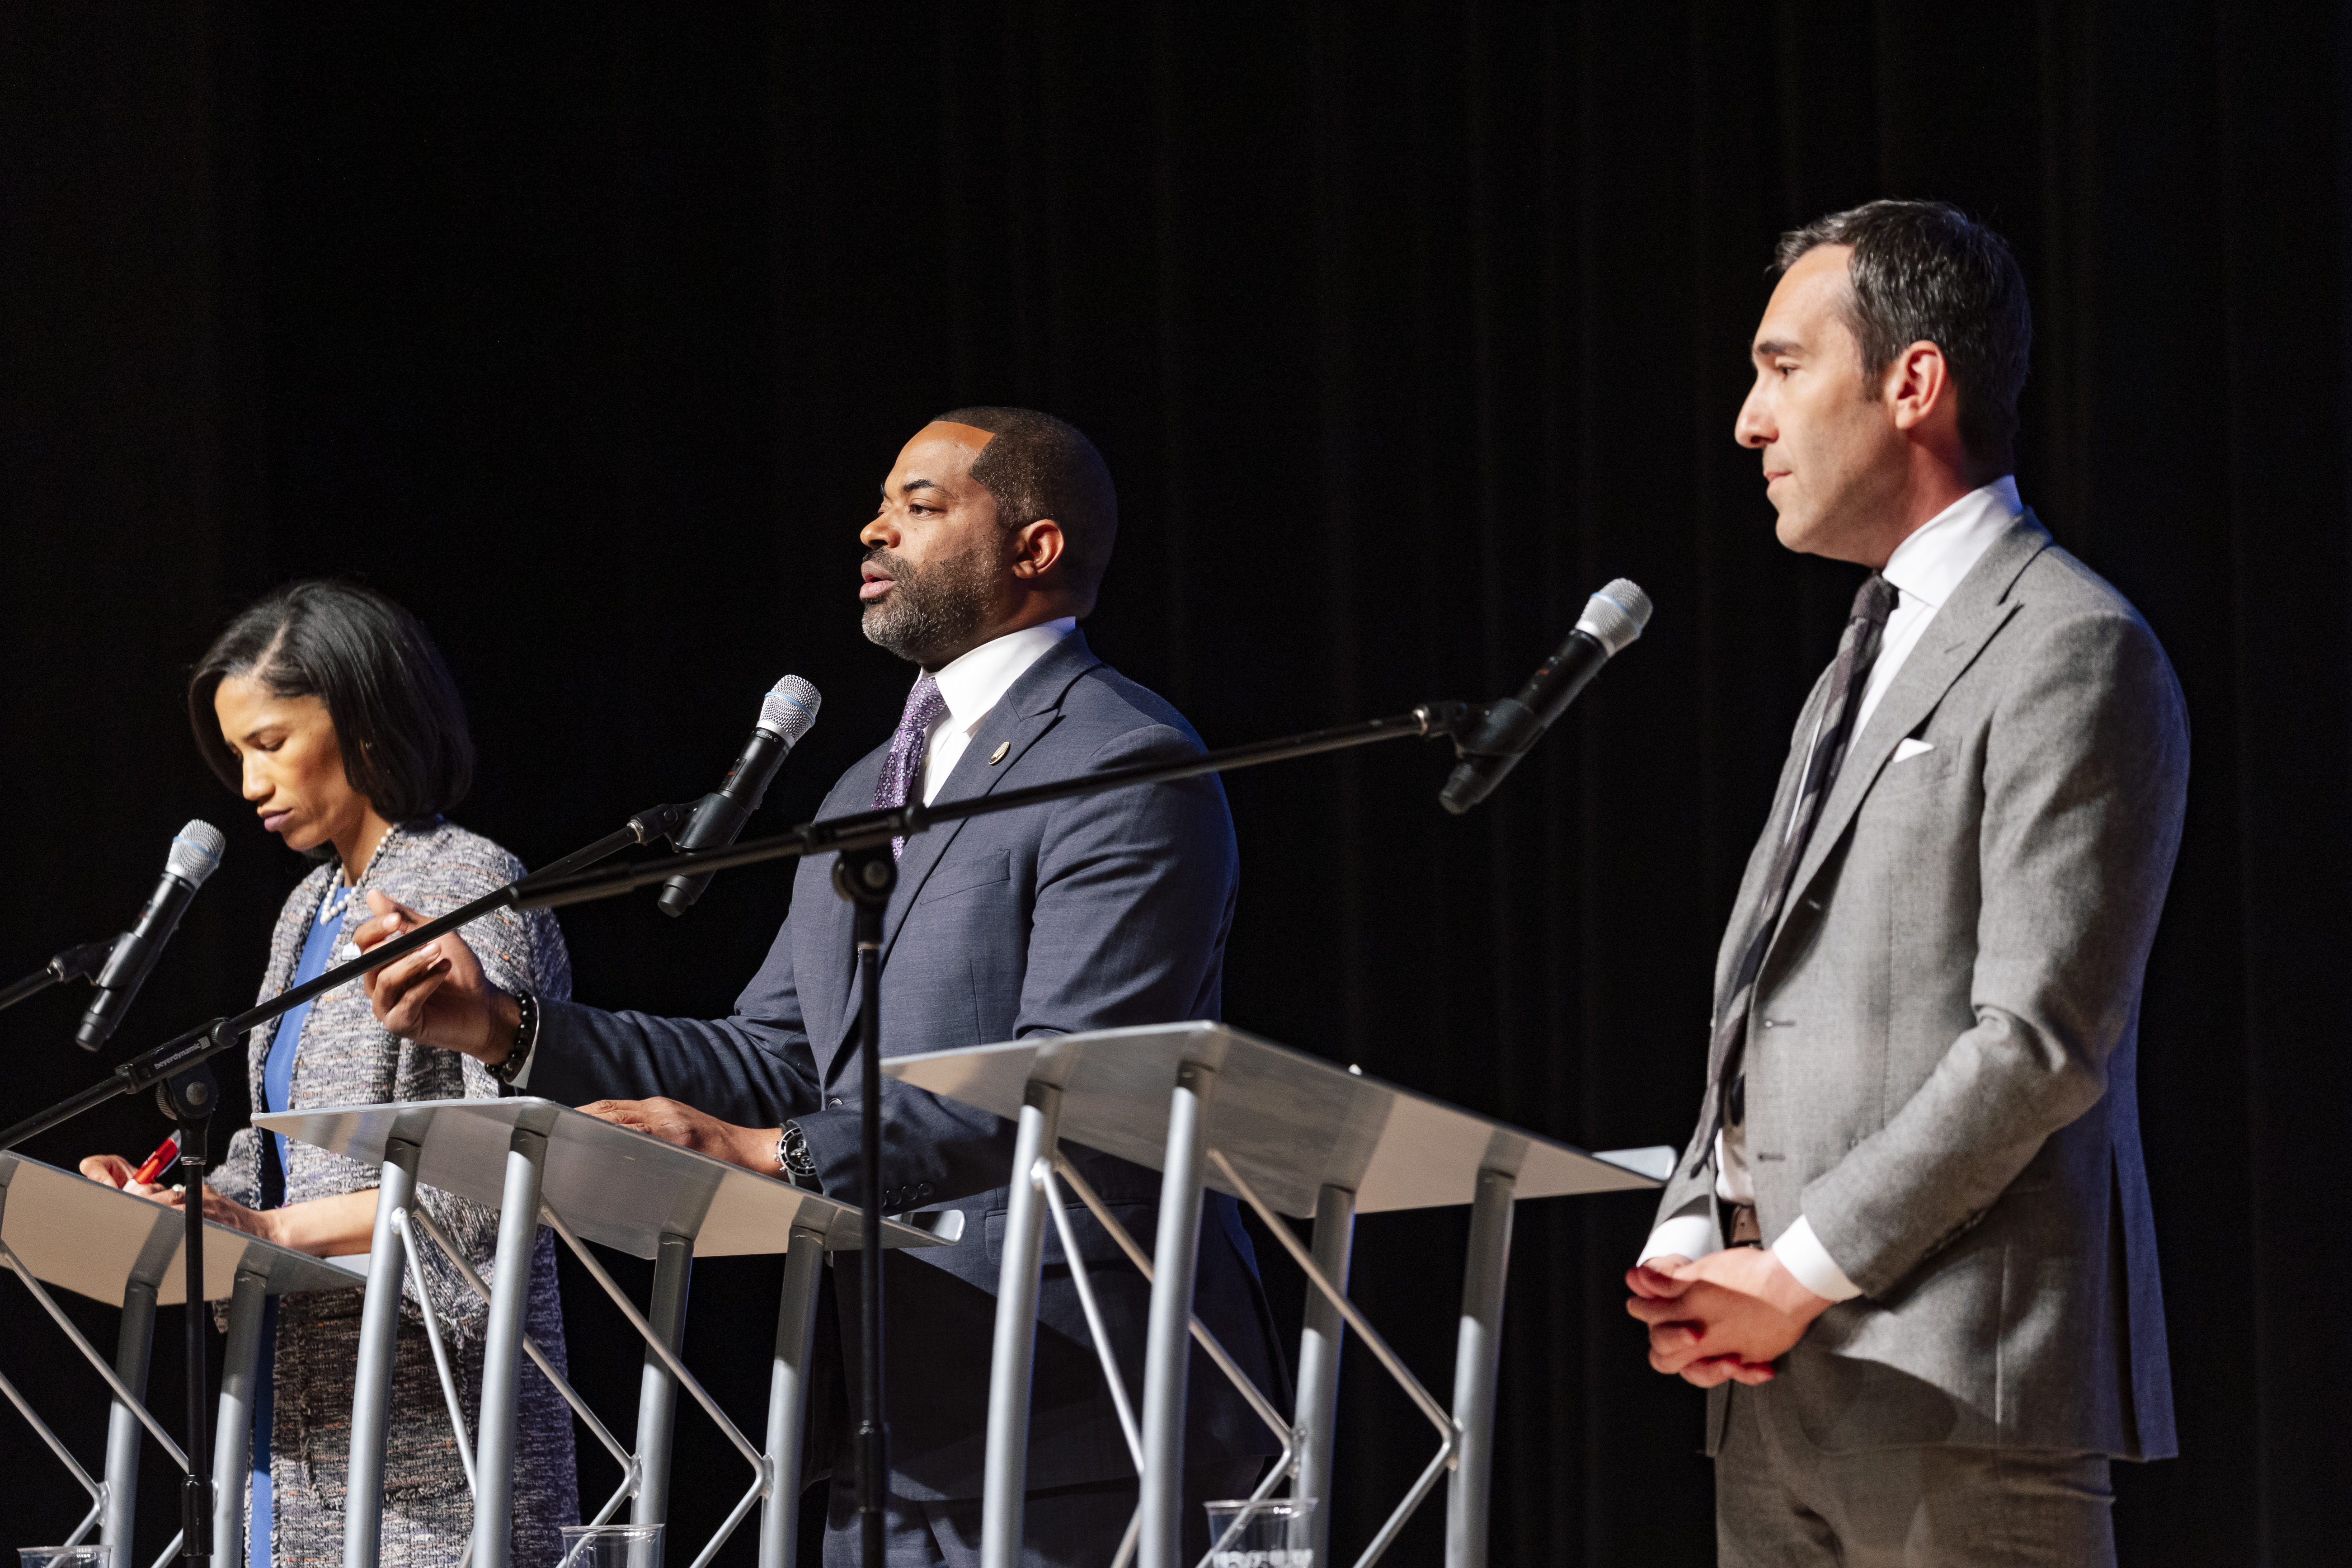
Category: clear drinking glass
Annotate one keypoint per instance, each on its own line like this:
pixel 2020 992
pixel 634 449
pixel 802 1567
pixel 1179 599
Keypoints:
pixel 67 1556
pixel 1277 1533
pixel 607 1546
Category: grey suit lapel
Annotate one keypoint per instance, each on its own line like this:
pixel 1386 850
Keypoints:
pixel 1976 610
pixel 1017 723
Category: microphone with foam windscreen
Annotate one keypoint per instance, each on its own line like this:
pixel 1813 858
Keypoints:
pixel 195 855
pixel 785 716
pixel 1613 618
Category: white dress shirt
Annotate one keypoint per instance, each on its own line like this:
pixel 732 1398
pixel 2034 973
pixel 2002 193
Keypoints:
pixel 1924 569
pixel 973 685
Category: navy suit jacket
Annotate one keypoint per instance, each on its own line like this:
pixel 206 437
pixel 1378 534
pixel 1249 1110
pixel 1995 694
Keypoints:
pixel 1084 914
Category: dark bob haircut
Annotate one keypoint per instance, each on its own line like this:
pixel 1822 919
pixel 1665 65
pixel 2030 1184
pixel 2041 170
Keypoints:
pixel 396 714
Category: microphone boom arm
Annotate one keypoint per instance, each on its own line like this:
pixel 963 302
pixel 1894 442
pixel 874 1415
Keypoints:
pixel 183 1051
pixel 564 882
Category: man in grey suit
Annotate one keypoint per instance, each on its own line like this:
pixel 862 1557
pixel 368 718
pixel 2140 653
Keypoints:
pixel 1908 1247
pixel 994 527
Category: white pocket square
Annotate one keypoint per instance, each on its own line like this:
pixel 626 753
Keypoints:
pixel 1906 750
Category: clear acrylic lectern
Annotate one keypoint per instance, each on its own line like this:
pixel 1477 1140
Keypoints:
pixel 62 1229
pixel 589 1181
pixel 1286 1134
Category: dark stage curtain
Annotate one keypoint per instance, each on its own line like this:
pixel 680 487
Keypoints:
pixel 587 331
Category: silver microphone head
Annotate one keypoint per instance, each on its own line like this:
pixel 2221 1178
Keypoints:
pixel 1616 615
pixel 788 710
pixel 195 853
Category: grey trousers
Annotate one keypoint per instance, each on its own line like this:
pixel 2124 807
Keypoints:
pixel 1061 1527
pixel 1779 1503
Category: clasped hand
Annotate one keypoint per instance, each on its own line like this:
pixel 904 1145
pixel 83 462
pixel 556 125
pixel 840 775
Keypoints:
pixel 1724 1318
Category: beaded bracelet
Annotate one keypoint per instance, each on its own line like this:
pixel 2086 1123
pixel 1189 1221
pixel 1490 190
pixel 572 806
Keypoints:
pixel 526 1039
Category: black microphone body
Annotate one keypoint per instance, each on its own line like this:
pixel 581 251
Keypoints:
pixel 194 853
pixel 784 718
pixel 1613 618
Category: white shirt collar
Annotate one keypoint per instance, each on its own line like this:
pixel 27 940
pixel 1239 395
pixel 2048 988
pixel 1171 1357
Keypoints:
pixel 976 682
pixel 1928 566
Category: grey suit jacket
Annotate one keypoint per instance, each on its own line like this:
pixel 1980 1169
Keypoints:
pixel 1942 1043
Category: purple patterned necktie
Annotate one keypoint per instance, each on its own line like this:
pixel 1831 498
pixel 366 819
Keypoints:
pixel 925 707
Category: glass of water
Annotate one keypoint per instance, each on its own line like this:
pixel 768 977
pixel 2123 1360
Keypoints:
pixel 1278 1532
pixel 607 1546
pixel 67 1556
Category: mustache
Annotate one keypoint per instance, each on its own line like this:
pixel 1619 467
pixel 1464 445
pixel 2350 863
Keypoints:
pixel 878 555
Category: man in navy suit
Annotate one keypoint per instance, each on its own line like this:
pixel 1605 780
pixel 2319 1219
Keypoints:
pixel 994 528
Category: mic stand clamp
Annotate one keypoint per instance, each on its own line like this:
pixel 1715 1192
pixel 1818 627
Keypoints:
pixel 189 1100
pixel 73 964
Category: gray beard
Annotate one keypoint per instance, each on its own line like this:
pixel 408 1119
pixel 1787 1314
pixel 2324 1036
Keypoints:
pixel 930 615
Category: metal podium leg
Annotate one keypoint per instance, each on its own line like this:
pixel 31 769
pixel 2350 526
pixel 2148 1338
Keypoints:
pixel 1168 1341
pixel 132 1346
pixel 657 1387
pixel 780 1516
pixel 379 1339
pixel 232 1429
pixel 1477 1359
pixel 1319 1340
pixel 502 1350
pixel 1005 1481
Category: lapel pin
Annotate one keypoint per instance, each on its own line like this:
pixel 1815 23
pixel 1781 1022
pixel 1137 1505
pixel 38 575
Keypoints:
pixel 997 756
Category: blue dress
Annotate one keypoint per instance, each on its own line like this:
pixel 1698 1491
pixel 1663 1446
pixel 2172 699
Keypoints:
pixel 319 946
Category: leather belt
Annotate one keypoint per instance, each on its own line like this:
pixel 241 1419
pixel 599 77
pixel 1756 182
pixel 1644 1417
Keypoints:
pixel 1745 1231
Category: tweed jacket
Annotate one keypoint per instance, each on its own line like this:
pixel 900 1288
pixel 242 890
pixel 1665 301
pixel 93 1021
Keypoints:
pixel 346 1057
pixel 1942 1043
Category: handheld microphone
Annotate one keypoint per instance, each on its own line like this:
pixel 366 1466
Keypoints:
pixel 195 855
pixel 1613 618
pixel 785 716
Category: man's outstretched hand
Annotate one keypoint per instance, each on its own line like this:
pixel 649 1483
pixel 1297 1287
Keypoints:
pixel 435 995
pixel 1724 1318
pixel 673 1121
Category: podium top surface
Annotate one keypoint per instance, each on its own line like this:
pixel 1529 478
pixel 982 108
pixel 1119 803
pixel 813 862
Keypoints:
pixel 613 1186
pixel 1290 1123
pixel 95 1240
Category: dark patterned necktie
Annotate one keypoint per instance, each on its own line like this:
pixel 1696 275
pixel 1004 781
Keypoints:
pixel 905 763
pixel 1849 678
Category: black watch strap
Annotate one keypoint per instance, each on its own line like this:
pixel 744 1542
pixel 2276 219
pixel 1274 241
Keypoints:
pixel 793 1161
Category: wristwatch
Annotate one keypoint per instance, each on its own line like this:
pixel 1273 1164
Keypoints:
pixel 526 1040
pixel 793 1161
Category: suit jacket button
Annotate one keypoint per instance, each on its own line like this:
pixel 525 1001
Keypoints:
pixel 923 1190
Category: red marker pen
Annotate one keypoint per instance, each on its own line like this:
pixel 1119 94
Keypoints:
pixel 158 1163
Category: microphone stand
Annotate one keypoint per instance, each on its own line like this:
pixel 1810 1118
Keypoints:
pixel 73 964
pixel 187 1091
pixel 865 875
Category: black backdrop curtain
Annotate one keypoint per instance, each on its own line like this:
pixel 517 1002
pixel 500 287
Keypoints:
pixel 587 332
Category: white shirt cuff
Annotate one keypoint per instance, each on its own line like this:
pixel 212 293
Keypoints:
pixel 1801 1252
pixel 1687 1236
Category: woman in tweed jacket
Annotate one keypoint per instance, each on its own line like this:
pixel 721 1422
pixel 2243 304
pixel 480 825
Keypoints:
pixel 328 706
